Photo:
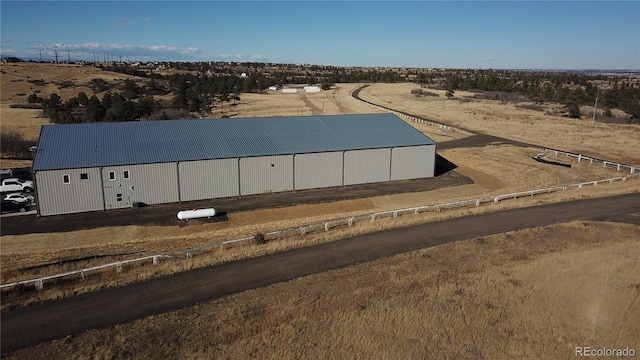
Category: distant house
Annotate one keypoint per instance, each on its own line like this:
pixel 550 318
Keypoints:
pixel 273 88
pixel 311 89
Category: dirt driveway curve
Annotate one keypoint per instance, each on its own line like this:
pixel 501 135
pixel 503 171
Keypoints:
pixel 56 319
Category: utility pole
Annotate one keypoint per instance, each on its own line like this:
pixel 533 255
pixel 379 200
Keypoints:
pixel 56 52
pixel 69 56
pixel 40 56
pixel 595 106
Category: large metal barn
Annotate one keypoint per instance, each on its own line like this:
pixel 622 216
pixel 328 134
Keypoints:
pixel 101 166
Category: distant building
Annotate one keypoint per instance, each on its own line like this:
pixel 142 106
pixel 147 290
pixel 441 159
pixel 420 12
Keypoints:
pixel 273 88
pixel 101 166
pixel 311 89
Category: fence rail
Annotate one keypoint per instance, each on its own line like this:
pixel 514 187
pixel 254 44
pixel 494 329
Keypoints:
pixel 605 163
pixel 634 172
pixel 39 282
pixel 330 224
pixel 632 169
pixel 400 113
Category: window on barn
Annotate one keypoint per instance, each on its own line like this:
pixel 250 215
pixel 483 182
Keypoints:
pixel 118 197
pixel 112 175
pixel 66 179
pixel 84 176
pixel 126 174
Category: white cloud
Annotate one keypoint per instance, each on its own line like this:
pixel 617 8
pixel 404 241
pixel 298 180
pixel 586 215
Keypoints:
pixel 125 22
pixel 489 58
pixel 190 50
pixel 86 51
pixel 147 19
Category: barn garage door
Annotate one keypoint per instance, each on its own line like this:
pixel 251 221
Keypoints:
pixel 366 166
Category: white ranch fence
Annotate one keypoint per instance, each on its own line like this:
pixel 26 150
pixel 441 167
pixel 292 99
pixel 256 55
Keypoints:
pixel 606 164
pixel 634 173
pixel 330 224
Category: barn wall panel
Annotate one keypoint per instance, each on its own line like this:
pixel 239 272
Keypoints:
pixel 366 166
pixel 147 183
pixel 266 174
pixel 318 170
pixel 412 162
pixel 79 195
pixel 208 179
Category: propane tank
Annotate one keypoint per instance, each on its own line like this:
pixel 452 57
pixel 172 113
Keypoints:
pixel 196 213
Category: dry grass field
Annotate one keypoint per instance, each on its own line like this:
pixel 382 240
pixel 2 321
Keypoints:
pixel 529 294
pixel 19 80
pixel 610 141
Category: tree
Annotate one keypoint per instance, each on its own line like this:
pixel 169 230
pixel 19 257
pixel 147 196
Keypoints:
pixel 608 113
pixel 145 106
pixel 574 110
pixel 51 105
pixel 34 99
pixel 95 111
pixel 14 145
pixel 224 97
pixel 82 98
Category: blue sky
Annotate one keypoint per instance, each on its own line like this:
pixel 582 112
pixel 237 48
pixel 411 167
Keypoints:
pixel 453 34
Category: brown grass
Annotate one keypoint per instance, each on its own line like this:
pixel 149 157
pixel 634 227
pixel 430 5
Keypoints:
pixel 165 243
pixel 465 300
pixel 534 293
pixel 609 141
pixel 18 81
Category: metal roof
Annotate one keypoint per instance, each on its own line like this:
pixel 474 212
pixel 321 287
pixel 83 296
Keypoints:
pixel 141 142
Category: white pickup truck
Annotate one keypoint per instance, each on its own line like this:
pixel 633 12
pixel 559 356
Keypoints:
pixel 16 185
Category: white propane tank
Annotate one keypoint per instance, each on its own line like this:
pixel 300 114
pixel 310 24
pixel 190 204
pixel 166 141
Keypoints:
pixel 196 213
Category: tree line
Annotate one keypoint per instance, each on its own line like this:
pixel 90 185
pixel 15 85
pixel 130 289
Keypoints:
pixel 570 89
pixel 134 103
pixel 199 87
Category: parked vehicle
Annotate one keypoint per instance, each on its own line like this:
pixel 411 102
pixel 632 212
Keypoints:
pixel 16 185
pixel 20 197
pixel 20 173
pixel 12 206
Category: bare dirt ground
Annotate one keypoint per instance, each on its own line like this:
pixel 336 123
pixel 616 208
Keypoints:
pixel 494 168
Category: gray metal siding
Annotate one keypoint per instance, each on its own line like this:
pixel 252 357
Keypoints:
pixel 148 183
pixel 366 166
pixel 318 170
pixel 266 174
pixel 412 162
pixel 56 197
pixel 208 179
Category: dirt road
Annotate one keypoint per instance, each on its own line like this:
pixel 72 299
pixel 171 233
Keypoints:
pixel 56 319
